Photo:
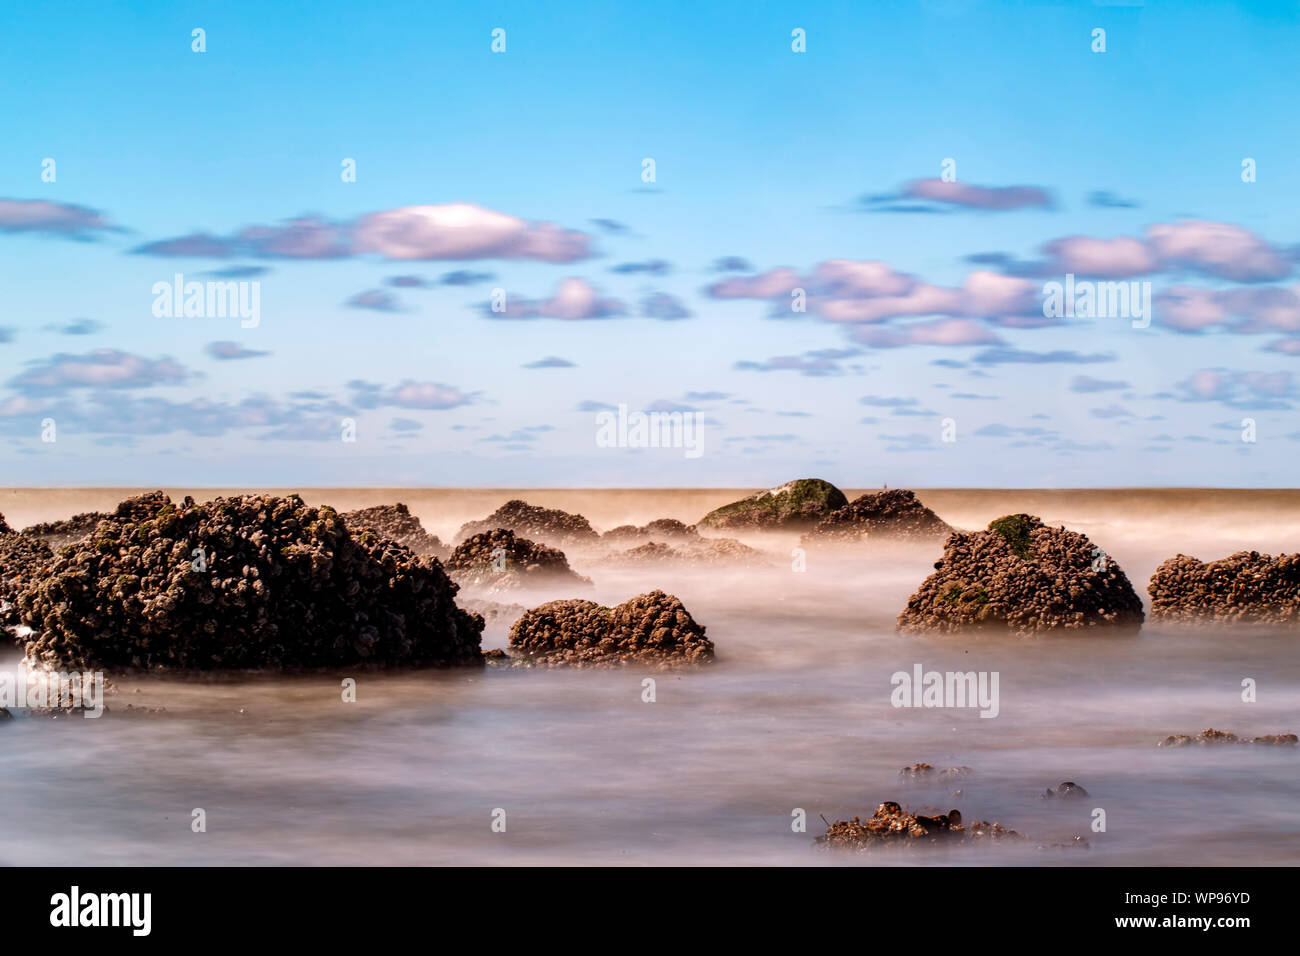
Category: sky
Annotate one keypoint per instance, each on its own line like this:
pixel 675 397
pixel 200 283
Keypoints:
pixel 838 269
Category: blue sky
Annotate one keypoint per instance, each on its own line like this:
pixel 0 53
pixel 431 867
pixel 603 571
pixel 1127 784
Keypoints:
pixel 775 170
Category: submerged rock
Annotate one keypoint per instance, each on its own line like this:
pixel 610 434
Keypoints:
pixel 896 515
pixel 500 560
pixel 1211 737
pixel 892 824
pixel 396 523
pixel 1069 789
pixel 547 525
pixel 1246 587
pixel 251 581
pixel 1023 576
pixel 649 629
pixel 796 504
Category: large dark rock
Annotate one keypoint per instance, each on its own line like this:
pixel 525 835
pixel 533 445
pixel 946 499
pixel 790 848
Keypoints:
pixel 1023 576
pixel 501 560
pixel 251 581
pixel 796 504
pixel 1246 588
pixel 548 525
pixel 396 523
pixel 650 629
pixel 22 559
pixel 894 515
pixel 81 526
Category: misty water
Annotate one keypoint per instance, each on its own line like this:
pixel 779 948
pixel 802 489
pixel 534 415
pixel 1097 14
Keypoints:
pixel 794 714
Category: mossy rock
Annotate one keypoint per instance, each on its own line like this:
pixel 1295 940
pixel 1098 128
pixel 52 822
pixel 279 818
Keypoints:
pixel 798 503
pixel 1017 531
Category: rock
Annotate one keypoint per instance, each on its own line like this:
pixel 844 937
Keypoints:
pixel 1068 789
pixel 547 525
pixel 1211 737
pixel 1246 587
pixel 796 504
pixel 22 559
pixel 698 551
pixel 498 560
pixel 894 515
pixel 661 529
pixel 925 771
pixel 492 612
pixel 251 581
pixel 78 527
pixel 396 523
pixel 892 824
pixel 650 629
pixel 1026 577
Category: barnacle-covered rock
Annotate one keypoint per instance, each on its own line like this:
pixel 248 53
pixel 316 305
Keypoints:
pixel 1243 588
pixel 396 523
pixel 80 526
pixel 649 629
pixel 22 559
pixel 1212 737
pixel 693 551
pixel 1023 576
pixel 796 504
pixel 547 525
pixel 661 529
pixel 500 560
pixel 250 581
pixel 892 824
pixel 893 515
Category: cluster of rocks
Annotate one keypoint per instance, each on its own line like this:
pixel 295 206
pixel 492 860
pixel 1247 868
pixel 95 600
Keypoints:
pixel 500 560
pixel 396 523
pixel 250 581
pixel 893 515
pixel 80 526
pixel 795 505
pixel 650 629
pixel 1023 576
pixel 1246 587
pixel 547 525
pixel 891 824
pixel 1211 737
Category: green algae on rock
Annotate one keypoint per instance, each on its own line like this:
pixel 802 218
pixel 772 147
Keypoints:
pixel 795 504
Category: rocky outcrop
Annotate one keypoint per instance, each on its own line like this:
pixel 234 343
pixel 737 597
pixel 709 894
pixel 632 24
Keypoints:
pixel 22 559
pixel 894 515
pixel 1023 576
pixel 794 505
pixel 396 523
pixel 547 525
pixel 661 529
pixel 711 552
pixel 78 527
pixel 651 629
pixel 1212 737
pixel 500 560
pixel 1243 588
pixel 251 581
pixel 892 824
